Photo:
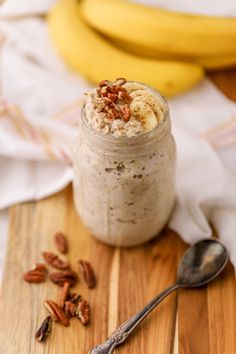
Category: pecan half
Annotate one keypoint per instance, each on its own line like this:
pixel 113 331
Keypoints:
pixel 71 304
pixel 88 273
pixel 83 312
pixel 74 298
pixel 64 294
pixel 40 267
pixel 56 312
pixel 125 113
pixel 55 261
pixel 70 308
pixel 61 242
pixel 44 330
pixel 35 275
pixel 67 276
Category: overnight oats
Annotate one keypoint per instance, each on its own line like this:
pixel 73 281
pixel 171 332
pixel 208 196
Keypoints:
pixel 124 163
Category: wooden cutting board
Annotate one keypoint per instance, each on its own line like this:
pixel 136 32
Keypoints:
pixel 198 321
pixel 201 321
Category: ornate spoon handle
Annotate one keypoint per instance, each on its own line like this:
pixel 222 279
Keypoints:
pixel 122 333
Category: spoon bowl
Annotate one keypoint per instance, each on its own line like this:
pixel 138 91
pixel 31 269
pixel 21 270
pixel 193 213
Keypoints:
pixel 202 262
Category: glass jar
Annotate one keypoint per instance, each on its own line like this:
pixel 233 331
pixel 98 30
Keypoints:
pixel 124 187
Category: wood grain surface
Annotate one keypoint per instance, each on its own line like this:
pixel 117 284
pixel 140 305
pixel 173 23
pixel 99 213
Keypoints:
pixel 127 279
pixel 200 321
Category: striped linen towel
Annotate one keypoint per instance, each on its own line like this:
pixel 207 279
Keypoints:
pixel 40 102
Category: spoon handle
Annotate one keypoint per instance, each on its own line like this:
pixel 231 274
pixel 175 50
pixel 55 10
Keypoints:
pixel 123 332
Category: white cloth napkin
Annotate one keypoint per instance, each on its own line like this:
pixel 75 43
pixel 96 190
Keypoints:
pixel 12 8
pixel 39 106
pixel 203 7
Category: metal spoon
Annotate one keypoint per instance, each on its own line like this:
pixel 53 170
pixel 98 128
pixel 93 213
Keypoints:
pixel 200 264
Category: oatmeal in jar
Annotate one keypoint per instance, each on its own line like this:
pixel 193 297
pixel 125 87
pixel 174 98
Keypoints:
pixel 124 163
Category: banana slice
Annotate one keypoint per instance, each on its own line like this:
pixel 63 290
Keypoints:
pixel 133 86
pixel 148 97
pixel 143 112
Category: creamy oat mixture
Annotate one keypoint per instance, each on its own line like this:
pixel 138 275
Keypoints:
pixel 123 108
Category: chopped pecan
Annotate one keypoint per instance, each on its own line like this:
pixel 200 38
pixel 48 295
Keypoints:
pixel 111 113
pixel 114 113
pixel 120 81
pixel 60 278
pixel 88 273
pixel 128 98
pixel 64 294
pixel 103 83
pixel 112 96
pixel 55 261
pixel 107 109
pixel 99 106
pixel 120 89
pixel 107 101
pixel 61 242
pixel 124 97
pixel 36 275
pixel 104 91
pixel 83 311
pixel 110 89
pixel 125 113
pixel 56 312
pixel 44 330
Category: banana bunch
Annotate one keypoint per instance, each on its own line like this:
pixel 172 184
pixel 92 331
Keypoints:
pixel 95 57
pixel 160 34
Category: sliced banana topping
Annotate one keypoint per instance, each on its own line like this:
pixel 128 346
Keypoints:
pixel 145 106
pixel 134 86
pixel 143 112
pixel 148 97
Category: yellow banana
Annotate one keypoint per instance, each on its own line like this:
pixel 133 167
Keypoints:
pixel 95 58
pixel 209 63
pixel 162 31
pixel 219 62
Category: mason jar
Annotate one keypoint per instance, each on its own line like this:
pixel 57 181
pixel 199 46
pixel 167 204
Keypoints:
pixel 124 187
